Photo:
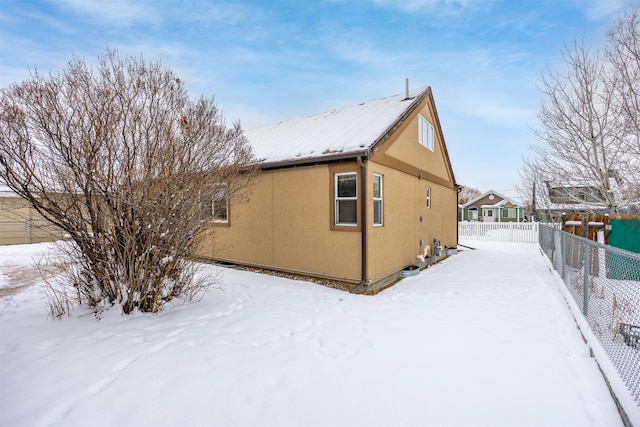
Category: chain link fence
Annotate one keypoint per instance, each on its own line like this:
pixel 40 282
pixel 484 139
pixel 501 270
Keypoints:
pixel 604 281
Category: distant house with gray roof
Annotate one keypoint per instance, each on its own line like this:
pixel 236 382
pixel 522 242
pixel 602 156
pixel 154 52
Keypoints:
pixel 492 207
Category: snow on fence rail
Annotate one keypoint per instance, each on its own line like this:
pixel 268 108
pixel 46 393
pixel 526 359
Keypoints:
pixel 604 282
pixel 500 231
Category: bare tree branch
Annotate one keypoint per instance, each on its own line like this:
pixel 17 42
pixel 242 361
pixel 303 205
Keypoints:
pixel 467 193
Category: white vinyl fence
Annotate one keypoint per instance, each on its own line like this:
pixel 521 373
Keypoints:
pixel 500 231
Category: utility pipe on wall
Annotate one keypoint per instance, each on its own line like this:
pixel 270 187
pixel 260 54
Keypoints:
pixel 363 223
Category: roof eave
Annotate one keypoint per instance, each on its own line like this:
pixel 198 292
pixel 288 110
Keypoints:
pixel 326 158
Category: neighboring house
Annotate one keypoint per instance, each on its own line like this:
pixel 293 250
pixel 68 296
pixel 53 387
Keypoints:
pixel 564 199
pixel 355 194
pixel 576 195
pixel 585 198
pixel 491 207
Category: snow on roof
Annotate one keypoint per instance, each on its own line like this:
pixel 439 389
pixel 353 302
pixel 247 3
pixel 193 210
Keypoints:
pixel 349 129
pixel 498 203
pixel 573 207
pixel 502 203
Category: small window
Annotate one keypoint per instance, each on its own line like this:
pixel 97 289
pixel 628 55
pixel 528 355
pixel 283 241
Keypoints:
pixel 428 197
pixel 425 132
pixel 214 204
pixel 346 194
pixel 377 199
pixel 473 214
pixel 220 203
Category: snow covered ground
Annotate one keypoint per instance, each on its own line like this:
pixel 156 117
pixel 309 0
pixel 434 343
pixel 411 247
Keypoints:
pixel 483 338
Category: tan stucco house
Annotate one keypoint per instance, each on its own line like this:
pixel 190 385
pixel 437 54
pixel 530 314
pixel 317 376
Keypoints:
pixel 355 194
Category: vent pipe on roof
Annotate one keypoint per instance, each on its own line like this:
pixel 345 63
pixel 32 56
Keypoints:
pixel 406 89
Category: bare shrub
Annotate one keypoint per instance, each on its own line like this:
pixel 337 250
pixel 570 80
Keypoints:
pixel 121 159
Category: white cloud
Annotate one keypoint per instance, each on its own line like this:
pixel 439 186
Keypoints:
pixel 363 53
pixel 598 10
pixel 119 13
pixel 437 7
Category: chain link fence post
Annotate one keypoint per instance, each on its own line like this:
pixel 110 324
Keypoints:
pixel 563 256
pixel 585 281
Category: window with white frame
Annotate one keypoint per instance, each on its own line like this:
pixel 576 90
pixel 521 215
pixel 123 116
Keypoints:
pixel 425 132
pixel 220 202
pixel 214 204
pixel 473 214
pixel 377 199
pixel 346 197
pixel 428 197
pixel 509 212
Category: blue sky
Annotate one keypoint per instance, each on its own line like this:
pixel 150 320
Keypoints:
pixel 270 60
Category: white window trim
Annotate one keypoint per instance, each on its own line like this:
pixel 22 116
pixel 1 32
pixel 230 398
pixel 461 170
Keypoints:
pixel 337 199
pixel 507 213
pixel 220 194
pixel 381 199
pixel 428 197
pixel 473 213
pixel 208 204
pixel 426 133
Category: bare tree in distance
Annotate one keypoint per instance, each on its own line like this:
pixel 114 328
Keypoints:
pixel 586 151
pixel 624 78
pixel 121 159
pixel 624 55
pixel 467 193
pixel 533 186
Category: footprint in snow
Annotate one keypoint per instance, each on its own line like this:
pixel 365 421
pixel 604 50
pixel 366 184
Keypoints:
pixel 124 363
pixel 48 344
pixel 102 385
pixel 58 414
